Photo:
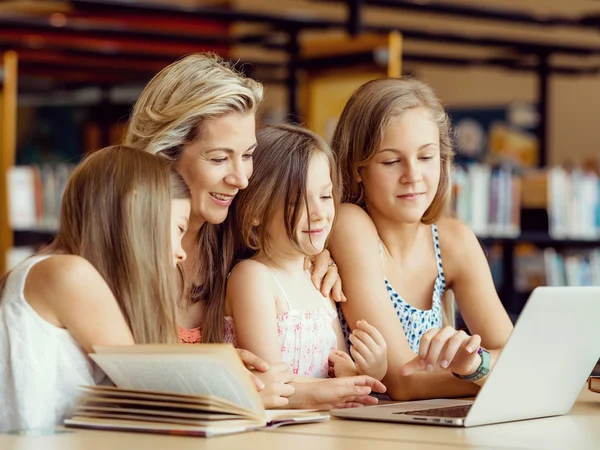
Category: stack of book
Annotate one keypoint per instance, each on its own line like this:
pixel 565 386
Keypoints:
pixel 195 390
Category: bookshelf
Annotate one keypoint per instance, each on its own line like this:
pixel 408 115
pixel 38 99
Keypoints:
pixel 537 226
pixel 8 126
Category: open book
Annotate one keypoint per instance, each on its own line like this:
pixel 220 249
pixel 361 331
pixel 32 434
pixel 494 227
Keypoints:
pixel 594 384
pixel 196 390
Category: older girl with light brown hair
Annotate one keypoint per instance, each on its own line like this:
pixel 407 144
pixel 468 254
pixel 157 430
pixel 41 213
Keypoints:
pixel 397 250
pixel 108 278
pixel 199 114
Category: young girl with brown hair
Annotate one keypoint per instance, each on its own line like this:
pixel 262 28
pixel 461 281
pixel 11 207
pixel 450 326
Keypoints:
pixel 284 215
pixel 108 278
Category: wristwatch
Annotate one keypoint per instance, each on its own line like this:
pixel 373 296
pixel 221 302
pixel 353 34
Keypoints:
pixel 482 370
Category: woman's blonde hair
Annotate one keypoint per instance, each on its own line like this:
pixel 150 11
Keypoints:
pixel 282 157
pixel 167 117
pixel 116 213
pixel 169 112
pixel 365 118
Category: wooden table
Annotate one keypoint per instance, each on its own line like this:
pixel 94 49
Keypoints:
pixel 578 430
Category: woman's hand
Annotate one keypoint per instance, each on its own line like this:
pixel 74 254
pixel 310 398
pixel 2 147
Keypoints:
pixel 276 390
pixel 325 276
pixel 341 365
pixel 334 393
pixel 446 349
pixel 368 350
pixel 253 363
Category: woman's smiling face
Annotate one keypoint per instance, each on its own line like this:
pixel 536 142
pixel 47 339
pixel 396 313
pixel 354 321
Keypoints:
pixel 218 164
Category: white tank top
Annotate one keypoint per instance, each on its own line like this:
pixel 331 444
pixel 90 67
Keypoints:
pixel 41 365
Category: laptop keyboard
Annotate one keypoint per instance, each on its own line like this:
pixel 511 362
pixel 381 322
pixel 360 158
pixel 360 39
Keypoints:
pixel 450 411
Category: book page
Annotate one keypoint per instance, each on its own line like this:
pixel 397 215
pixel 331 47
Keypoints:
pixel 216 429
pixel 204 402
pixel 193 374
pixel 276 417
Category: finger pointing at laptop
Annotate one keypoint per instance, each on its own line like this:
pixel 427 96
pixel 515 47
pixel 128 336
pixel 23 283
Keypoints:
pixel 447 349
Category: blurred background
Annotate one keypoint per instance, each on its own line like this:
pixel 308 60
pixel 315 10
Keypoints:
pixel 520 79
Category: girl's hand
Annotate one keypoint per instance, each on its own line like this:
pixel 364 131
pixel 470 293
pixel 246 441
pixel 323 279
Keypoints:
pixel 369 350
pixel 341 365
pixel 276 391
pixel 446 349
pixel 334 393
pixel 325 276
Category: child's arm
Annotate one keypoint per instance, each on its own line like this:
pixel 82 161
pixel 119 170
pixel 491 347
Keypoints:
pixel 68 292
pixel 355 246
pixel 470 278
pixel 368 350
pixel 251 298
pixel 340 362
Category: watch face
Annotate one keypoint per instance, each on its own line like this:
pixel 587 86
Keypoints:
pixel 482 370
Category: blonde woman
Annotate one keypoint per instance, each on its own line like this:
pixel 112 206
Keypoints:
pixel 109 278
pixel 397 251
pixel 199 113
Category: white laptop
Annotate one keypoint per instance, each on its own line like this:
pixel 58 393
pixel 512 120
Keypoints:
pixel 543 367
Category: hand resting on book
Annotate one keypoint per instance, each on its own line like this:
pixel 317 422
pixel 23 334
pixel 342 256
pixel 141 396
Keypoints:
pixel 253 363
pixel 277 390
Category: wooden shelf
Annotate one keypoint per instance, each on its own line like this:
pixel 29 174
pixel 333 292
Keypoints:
pixel 32 238
pixel 541 239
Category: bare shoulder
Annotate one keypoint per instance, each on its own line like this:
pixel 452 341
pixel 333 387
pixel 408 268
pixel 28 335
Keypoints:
pixel 248 269
pixel 458 244
pixel 61 285
pixel 353 220
pixel 454 232
pixel 249 281
pixel 63 274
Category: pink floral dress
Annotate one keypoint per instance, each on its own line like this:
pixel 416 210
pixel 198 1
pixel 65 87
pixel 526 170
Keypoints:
pixel 306 337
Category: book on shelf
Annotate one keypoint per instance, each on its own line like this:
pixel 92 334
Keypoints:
pixel 34 195
pixel 488 199
pixel 594 384
pixel 572 268
pixel 195 390
pixel 573 204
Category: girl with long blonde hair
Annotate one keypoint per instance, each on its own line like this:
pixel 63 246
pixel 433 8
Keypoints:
pixel 108 278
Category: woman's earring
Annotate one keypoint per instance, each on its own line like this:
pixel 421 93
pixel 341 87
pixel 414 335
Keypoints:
pixel 255 223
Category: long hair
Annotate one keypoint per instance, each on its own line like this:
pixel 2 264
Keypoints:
pixel 116 213
pixel 365 118
pixel 360 129
pixel 282 157
pixel 167 117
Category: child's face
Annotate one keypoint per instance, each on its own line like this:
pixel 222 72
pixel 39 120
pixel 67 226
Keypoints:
pixel 320 204
pixel 402 179
pixel 322 211
pixel 180 215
